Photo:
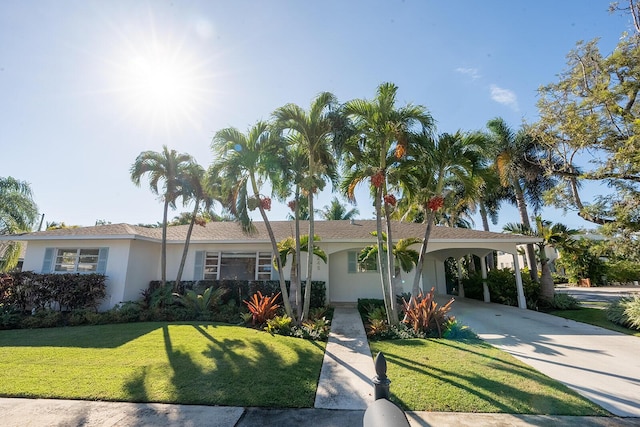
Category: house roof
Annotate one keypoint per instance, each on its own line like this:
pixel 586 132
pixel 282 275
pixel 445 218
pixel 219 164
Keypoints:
pixel 229 232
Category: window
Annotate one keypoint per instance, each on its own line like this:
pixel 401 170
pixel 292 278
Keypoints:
pixel 234 265
pixel 353 266
pixel 75 260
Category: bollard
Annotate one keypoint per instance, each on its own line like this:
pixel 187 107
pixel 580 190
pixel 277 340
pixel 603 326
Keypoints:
pixel 380 381
pixel 383 412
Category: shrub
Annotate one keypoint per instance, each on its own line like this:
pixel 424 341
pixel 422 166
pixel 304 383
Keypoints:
pixel 317 329
pixel 625 312
pixel 43 319
pixel 279 325
pixel 502 287
pixel 262 308
pixel 367 305
pixel 425 316
pixel 201 304
pixel 623 271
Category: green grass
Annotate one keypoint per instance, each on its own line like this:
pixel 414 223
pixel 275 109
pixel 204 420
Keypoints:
pixel 594 316
pixel 190 363
pixel 473 376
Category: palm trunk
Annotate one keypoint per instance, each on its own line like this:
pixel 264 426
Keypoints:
pixel 163 249
pixel 382 265
pixel 390 266
pixel 296 284
pixel 547 289
pixel 310 246
pixel 415 290
pixel 524 218
pixel 274 248
pixel 183 260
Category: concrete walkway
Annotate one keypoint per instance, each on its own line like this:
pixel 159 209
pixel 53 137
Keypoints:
pixel 602 365
pixel 347 367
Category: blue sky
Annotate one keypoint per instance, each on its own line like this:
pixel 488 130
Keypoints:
pixel 85 86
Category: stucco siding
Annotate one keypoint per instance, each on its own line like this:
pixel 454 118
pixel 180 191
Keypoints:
pixel 143 267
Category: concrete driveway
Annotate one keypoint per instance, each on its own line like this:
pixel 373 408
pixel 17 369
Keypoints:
pixel 604 294
pixel 602 365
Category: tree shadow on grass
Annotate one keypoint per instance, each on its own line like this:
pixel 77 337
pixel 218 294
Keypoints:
pixel 264 370
pixel 507 397
pixel 95 336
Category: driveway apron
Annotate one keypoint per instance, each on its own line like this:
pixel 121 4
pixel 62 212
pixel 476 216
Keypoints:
pixel 601 365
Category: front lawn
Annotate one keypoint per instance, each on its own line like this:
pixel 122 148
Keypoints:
pixel 191 363
pixel 594 316
pixel 472 376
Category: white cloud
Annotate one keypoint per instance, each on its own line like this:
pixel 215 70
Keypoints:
pixel 504 96
pixel 471 72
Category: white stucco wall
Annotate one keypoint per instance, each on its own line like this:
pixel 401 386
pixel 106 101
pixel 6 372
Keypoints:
pixel 143 266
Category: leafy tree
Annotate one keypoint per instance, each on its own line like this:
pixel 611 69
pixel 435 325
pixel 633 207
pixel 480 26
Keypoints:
pixel 170 170
pixel 18 214
pixel 518 161
pixel 243 163
pixel 375 153
pixel 556 235
pixel 337 211
pixel 54 225
pixel 589 123
pixel 313 133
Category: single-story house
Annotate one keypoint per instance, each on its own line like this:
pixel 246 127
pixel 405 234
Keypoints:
pixel 130 255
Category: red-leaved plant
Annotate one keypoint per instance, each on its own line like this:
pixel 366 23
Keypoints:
pixel 425 315
pixel 262 308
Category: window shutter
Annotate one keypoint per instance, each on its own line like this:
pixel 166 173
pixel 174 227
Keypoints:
pixel 352 262
pixel 198 272
pixel 101 268
pixel 47 264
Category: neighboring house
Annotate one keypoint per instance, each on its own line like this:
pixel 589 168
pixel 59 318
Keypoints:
pixel 130 255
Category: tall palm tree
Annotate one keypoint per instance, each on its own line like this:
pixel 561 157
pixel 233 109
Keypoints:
pixel 195 192
pixel 337 211
pixel 244 162
pixel 375 153
pixel 18 213
pixel 438 166
pixel 554 235
pixel 170 170
pixel 517 160
pixel 313 133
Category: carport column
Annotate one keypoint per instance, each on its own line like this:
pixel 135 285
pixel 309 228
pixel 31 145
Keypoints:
pixel 522 302
pixel 485 288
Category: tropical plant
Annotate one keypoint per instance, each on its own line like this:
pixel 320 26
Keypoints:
pixel 292 247
pixel 201 303
pixel 244 162
pixel 519 163
pixel 262 308
pixel 337 211
pixel 279 325
pixel 314 133
pixel 18 213
pixel 626 312
pixel 556 235
pixel 404 257
pixel 424 315
pixel 374 155
pixel 437 166
pixel 172 169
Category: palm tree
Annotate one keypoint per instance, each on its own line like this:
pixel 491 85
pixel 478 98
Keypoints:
pixel 294 246
pixel 313 134
pixel 196 192
pixel 375 154
pixel 171 169
pixel 437 166
pixel 18 213
pixel 337 211
pixel 556 235
pixel 519 167
pixel 243 163
pixel 404 257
